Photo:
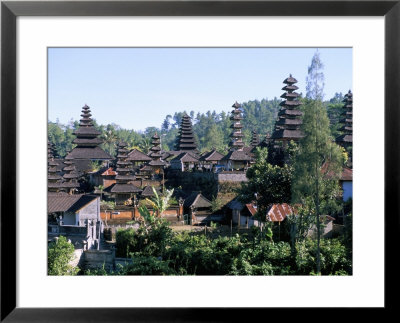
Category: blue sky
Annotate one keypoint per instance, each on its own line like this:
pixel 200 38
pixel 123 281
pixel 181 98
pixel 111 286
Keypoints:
pixel 137 87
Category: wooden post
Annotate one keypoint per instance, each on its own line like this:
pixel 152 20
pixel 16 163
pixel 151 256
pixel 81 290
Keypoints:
pixel 279 224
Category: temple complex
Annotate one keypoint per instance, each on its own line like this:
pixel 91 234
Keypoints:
pixel 186 141
pixel 87 143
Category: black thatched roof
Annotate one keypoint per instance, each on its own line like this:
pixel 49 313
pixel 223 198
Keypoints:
pixel 289 112
pixel 185 140
pixel 197 200
pixel 148 191
pixel 68 203
pixel 89 153
pixel 345 138
pixel 290 80
pixel 288 121
pixel 146 168
pixel 238 155
pixel 86 132
pixel 249 150
pixel 88 141
pixel 185 158
pixel 123 188
pixel 157 163
pixel 286 134
pixel 213 155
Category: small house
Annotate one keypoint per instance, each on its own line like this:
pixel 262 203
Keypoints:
pixel 66 209
pixel 236 160
pixel 210 159
pixel 184 162
pixel 197 206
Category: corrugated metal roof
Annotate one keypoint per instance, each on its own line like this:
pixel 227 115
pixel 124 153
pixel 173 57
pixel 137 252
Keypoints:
pixel 67 203
pixel 279 212
pixel 275 213
pixel 252 208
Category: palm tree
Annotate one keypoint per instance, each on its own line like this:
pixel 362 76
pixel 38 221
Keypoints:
pixel 110 139
pixel 160 202
pixel 145 145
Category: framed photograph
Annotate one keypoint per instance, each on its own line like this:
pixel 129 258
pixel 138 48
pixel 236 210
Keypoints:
pixel 32 33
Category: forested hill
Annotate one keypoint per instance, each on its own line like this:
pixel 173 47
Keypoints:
pixel 211 129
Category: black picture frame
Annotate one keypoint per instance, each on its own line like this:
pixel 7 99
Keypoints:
pixel 10 10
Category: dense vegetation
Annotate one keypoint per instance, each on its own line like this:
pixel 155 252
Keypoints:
pixel 159 251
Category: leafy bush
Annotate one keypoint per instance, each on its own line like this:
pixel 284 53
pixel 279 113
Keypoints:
pixel 147 265
pixel 155 250
pixel 334 257
pixel 148 240
pixel 60 254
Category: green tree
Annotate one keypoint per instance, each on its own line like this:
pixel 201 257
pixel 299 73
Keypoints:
pixel 145 145
pixel 318 161
pixel 160 202
pixel 213 138
pixel 271 183
pixel 110 140
pixel 60 254
pixel 315 79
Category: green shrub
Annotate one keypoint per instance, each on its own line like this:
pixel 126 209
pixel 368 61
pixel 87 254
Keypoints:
pixel 60 254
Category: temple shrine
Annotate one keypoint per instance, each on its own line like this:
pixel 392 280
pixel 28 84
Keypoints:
pixel 87 143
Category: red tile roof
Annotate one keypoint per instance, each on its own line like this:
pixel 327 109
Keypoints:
pixel 109 172
pixel 347 174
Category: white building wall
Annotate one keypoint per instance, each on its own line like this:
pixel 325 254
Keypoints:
pixel 69 219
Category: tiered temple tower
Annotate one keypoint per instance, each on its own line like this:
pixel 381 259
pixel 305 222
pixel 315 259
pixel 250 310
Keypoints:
pixel 346 139
pixel 287 127
pixel 236 135
pixel 186 141
pixel 255 140
pixel 87 143
pixel 155 154
pixel 122 189
pixel 70 176
pixel 237 158
pixel 54 180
